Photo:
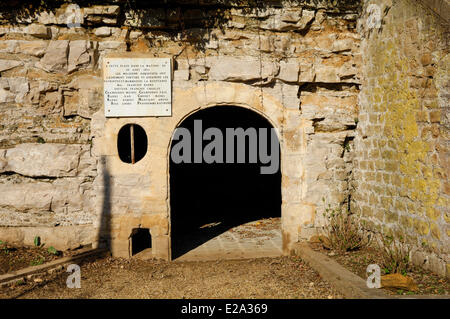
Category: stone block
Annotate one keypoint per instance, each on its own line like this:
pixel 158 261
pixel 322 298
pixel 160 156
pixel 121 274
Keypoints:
pixel 55 58
pixel 81 54
pixel 241 69
pixel 62 237
pixel 38 31
pixel 37 160
pixel 8 64
pixel 103 32
pixel 289 71
pixel 161 247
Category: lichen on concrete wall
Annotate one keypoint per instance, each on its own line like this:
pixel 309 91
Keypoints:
pixel 401 166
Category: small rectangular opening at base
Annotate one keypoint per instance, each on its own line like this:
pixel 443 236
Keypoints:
pixel 140 240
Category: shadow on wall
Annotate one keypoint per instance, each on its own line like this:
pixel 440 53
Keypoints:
pixel 104 234
pixel 209 199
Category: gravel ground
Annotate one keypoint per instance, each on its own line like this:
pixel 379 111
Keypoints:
pixel 282 277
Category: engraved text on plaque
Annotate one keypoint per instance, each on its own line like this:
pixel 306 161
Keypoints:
pixel 137 87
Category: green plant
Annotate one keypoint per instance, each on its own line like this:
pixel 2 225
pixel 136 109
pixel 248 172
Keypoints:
pixel 344 231
pixel 20 282
pixel 53 250
pixel 5 247
pixel 37 261
pixel 37 241
pixel 395 255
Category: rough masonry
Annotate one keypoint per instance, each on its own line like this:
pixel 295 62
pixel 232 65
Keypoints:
pixel 313 68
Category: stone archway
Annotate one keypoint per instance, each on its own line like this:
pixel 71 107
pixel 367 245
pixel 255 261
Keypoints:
pixel 291 130
pixel 234 209
pixel 143 189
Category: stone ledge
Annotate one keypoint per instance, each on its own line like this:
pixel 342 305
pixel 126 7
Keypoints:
pixel 347 283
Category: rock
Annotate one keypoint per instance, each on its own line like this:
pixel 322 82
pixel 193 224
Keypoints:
pixel 103 32
pixel 252 12
pixel 326 74
pixel 35 48
pixel 289 21
pixel 8 46
pixel 80 54
pixel 3 164
pixel 13 89
pixel 61 237
pixel 342 45
pixel 289 96
pixel 20 87
pixel 112 45
pixel 320 239
pixel 200 69
pixel 8 64
pixel 289 71
pixel 307 73
pixel 70 15
pixel 25 197
pixel 109 21
pixel 135 34
pixel 307 17
pixel 46 18
pixel 38 31
pixel 181 75
pixel 47 202
pixel 398 281
pixel 102 10
pixel 55 58
pixel 237 69
pixel 83 96
pixel 5 97
pixel 52 160
pixel 50 101
pixel 292 15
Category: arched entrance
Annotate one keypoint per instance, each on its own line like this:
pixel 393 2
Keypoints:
pixel 212 198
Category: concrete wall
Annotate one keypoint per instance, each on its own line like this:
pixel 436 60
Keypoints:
pixel 401 169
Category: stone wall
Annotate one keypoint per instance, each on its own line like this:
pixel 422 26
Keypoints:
pixel 295 62
pixel 401 176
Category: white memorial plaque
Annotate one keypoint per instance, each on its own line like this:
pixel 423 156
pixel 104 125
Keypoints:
pixel 137 87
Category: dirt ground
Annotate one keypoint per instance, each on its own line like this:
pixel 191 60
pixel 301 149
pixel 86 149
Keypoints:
pixel 15 258
pixel 357 261
pixel 282 277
